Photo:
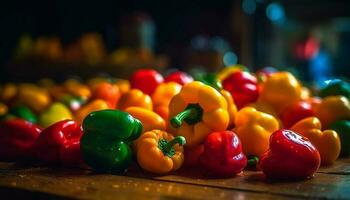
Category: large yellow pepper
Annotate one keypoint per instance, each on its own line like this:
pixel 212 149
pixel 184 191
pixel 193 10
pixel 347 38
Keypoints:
pixel 280 90
pixel 333 108
pixel 135 97
pixel 161 97
pixel 197 111
pixel 327 142
pixel 150 120
pixel 34 97
pixel 254 129
pixel 94 105
pixel 159 152
pixel 231 106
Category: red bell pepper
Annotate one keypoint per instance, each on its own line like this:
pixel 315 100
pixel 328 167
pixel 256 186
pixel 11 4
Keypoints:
pixel 243 88
pixel 17 139
pixel 179 77
pixel 223 154
pixel 60 144
pixel 192 155
pixel 291 156
pixel 146 80
pixel 296 112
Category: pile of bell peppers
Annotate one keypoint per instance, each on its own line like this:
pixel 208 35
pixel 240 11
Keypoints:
pixel 220 123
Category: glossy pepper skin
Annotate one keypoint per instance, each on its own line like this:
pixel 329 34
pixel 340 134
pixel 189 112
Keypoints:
pixel 94 105
pixel 159 152
pixel 280 90
pixel 223 154
pixel 72 102
pixel 161 97
pixel 108 92
pixel 336 87
pixel 243 88
pixel 150 120
pixel 17 139
pixel 179 77
pixel 254 129
pixel 342 127
pixel 210 79
pixel 197 111
pixel 23 112
pixel 296 112
pixel 55 113
pixel 135 97
pixel 59 144
pixel 332 109
pixel 327 142
pixel 104 144
pixel 224 73
pixel 146 80
pixel 291 156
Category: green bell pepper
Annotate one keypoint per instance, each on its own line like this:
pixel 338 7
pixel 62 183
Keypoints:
pixel 336 87
pixel 22 112
pixel 343 129
pixel 211 80
pixel 105 142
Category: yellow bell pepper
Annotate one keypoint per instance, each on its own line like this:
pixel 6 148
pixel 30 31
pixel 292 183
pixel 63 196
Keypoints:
pixel 231 106
pixel 159 152
pixel 78 89
pixel 161 97
pixel 333 108
pixel 197 111
pixel 3 109
pixel 150 120
pixel 123 85
pixel 254 129
pixel 56 112
pixel 135 97
pixel 8 92
pixel 94 105
pixel 280 90
pixel 327 142
pixel 34 97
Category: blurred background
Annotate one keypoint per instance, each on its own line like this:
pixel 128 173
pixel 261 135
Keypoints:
pixel 60 39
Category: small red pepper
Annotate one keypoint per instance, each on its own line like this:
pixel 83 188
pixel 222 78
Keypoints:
pixel 296 112
pixel 17 139
pixel 223 154
pixel 179 77
pixel 243 88
pixel 60 144
pixel 291 156
pixel 146 80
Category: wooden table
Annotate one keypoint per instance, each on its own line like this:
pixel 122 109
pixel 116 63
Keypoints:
pixel 34 182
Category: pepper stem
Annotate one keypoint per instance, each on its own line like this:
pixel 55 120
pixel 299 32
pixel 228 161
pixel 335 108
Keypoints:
pixel 192 114
pixel 168 147
pixel 252 161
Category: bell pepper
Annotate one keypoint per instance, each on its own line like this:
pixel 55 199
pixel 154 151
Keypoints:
pixel 123 85
pixel 3 109
pixel 280 90
pixel 56 112
pixel 231 107
pixel 192 155
pixel 342 127
pixel 8 92
pixel 179 77
pixel 327 142
pixel 223 154
pixel 150 120
pixel 72 102
pixel 296 112
pixel 77 89
pixel 135 97
pixel 108 92
pixel 34 97
pixel 104 144
pixel 197 111
pixel 243 88
pixel 291 156
pixel 211 80
pixel 60 144
pixel 264 107
pixel 265 72
pixel 159 152
pixel 332 109
pixel 336 87
pixel 146 80
pixel 161 97
pixel 224 73
pixel 17 139
pixel 94 105
pixel 23 112
pixel 254 129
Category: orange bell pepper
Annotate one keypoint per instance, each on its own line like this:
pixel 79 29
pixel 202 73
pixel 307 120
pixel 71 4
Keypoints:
pixel 159 152
pixel 3 109
pixel 8 92
pixel 135 97
pixel 123 85
pixel 196 111
pixel 78 89
pixel 332 109
pixel 161 97
pixel 150 120
pixel 108 92
pixel 92 106
pixel 327 142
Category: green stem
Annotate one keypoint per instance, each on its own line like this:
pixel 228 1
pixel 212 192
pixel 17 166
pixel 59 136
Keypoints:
pixel 252 161
pixel 177 140
pixel 192 114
